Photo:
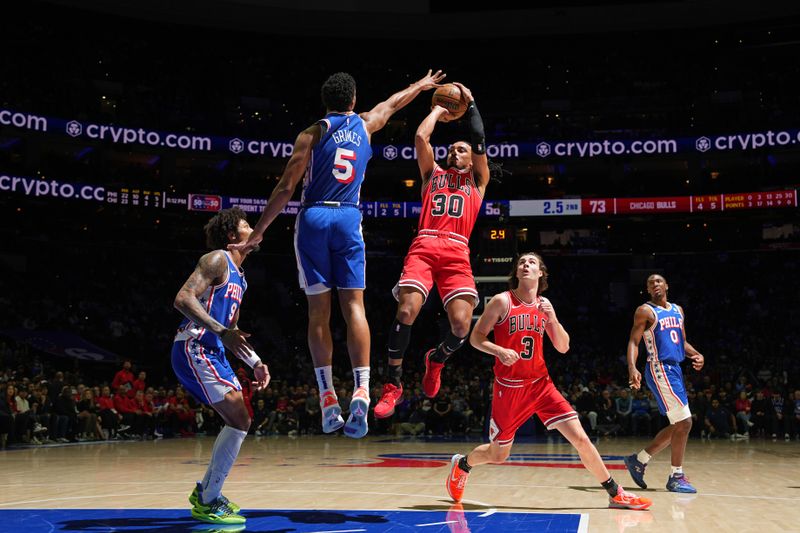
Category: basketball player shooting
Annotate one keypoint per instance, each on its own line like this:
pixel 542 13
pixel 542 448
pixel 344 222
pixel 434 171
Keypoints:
pixel 451 200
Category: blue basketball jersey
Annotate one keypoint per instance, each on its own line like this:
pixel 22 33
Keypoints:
pixel 221 302
pixel 338 161
pixel 664 339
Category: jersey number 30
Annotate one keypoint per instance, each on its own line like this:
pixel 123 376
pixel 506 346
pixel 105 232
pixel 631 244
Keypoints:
pixel 453 205
pixel 343 169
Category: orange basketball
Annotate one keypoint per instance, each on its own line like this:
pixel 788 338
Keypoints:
pixel 449 97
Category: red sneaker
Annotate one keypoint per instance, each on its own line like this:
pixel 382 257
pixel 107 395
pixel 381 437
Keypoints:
pixel 432 379
pixel 385 406
pixel 628 500
pixel 457 480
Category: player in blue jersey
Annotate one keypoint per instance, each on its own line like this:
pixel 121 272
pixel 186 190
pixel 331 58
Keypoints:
pixel 331 155
pixel 661 324
pixel 210 300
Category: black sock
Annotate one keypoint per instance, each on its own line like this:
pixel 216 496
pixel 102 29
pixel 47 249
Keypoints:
pixel 450 344
pixel 611 486
pixel 464 465
pixel 395 373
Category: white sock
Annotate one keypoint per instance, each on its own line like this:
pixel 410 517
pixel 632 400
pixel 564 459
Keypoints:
pixel 226 449
pixel 677 470
pixel 643 457
pixel 360 377
pixel 324 379
pixel 210 464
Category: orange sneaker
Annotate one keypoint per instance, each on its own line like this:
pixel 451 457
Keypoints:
pixel 457 479
pixel 628 500
pixel 432 379
pixel 390 397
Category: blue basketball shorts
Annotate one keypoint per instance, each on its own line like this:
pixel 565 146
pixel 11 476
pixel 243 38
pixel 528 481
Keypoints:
pixel 203 370
pixel 665 380
pixel 329 247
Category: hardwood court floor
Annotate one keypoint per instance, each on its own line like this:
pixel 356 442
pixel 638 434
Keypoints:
pixel 743 486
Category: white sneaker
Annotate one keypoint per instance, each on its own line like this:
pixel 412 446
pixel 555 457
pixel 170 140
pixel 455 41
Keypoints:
pixel 356 426
pixel 331 412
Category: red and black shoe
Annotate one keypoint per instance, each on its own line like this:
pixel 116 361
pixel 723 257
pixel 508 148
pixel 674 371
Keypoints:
pixel 390 397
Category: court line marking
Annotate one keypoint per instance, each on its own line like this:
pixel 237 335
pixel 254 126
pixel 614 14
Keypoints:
pixel 335 531
pixel 437 523
pixel 583 525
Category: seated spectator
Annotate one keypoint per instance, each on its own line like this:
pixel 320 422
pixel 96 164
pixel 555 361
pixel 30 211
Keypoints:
pixel 416 420
pixel 607 415
pixel 88 419
pixel 624 407
pixel 109 417
pixel 719 421
pixel 742 406
pixel 640 414
pixel 761 415
pixel 123 376
pixel 778 418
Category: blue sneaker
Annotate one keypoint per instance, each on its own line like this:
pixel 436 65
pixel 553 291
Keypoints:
pixel 356 425
pixel 636 469
pixel 679 483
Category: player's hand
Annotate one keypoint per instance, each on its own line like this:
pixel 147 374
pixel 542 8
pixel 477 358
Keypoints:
pixel 430 81
pixel 697 361
pixel 261 373
pixel 634 379
pixel 466 94
pixel 444 114
pixel 235 340
pixel 249 245
pixel 547 308
pixel 507 357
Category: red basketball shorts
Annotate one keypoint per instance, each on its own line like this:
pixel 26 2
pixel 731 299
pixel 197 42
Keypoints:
pixel 514 403
pixel 441 260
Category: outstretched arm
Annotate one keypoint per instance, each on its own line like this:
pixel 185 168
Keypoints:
pixel 422 141
pixel 641 319
pixel 283 191
pixel 376 118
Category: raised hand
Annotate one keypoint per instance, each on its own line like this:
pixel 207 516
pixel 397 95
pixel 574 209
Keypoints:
pixel 248 246
pixel 466 94
pixel 430 81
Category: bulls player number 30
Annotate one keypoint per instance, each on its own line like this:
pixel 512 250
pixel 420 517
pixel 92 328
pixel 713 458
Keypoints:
pixel 453 205
pixel 342 167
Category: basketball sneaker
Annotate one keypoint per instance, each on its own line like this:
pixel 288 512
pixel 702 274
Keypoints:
pixel 390 397
pixel 628 500
pixel 456 519
pixel 194 497
pixel 432 379
pixel 680 483
pixel 331 412
pixel 636 469
pixel 457 479
pixel 356 426
pixel 216 512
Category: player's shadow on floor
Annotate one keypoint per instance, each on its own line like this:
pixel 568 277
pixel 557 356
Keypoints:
pixel 318 517
pixel 447 504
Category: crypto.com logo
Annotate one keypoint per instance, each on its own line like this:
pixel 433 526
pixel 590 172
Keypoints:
pixel 236 146
pixel 703 144
pixel 390 152
pixel 543 149
pixel 74 128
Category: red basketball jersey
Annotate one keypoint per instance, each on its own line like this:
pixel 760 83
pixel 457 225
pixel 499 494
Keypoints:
pixel 521 330
pixel 450 202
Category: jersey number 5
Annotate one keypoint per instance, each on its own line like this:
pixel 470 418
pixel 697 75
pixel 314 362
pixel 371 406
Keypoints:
pixel 527 353
pixel 343 169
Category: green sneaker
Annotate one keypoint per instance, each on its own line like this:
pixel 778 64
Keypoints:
pixel 216 513
pixel 194 497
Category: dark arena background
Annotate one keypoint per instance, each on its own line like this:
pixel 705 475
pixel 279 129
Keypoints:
pixel 628 138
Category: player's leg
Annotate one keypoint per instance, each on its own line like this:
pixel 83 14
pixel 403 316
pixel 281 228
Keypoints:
pixel 409 304
pixel 320 344
pixel 459 314
pixel 573 431
pixel 358 345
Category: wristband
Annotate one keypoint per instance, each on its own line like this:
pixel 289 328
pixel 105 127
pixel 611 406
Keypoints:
pixel 252 358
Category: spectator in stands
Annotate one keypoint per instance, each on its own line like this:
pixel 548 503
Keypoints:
pixel 123 376
pixel 778 418
pixel 742 407
pixel 88 419
pixel 640 414
pixel 624 407
pixel 719 421
pixel 109 417
pixel 761 415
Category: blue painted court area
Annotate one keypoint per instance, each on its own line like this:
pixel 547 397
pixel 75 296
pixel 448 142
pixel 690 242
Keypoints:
pixel 454 520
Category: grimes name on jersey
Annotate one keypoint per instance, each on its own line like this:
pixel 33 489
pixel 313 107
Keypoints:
pixel 346 136
pixel 526 323
pixel 461 182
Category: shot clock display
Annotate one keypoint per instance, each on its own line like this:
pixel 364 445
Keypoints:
pixel 496 250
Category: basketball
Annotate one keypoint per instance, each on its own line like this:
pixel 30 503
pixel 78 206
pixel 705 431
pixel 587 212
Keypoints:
pixel 449 97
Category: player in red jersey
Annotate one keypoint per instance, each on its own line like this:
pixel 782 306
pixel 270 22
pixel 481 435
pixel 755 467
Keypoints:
pixel 451 199
pixel 519 318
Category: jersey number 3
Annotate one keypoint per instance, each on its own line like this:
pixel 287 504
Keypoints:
pixel 527 353
pixel 343 169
